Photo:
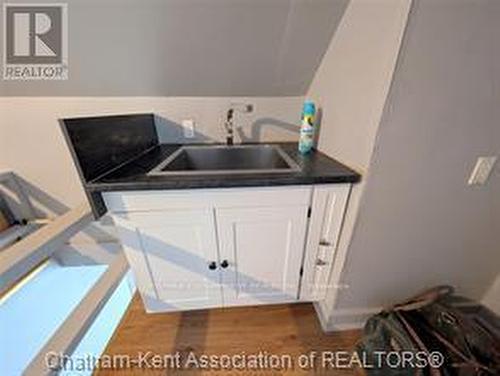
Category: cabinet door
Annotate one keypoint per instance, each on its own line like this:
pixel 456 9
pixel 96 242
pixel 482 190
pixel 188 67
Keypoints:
pixel 327 214
pixel 174 256
pixel 263 249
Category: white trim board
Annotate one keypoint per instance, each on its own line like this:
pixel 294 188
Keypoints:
pixel 89 253
pixel 17 260
pixel 18 202
pixel 344 319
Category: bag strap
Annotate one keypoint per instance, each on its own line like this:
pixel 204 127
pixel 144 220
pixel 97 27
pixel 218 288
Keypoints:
pixel 469 360
pixel 413 334
pixel 423 299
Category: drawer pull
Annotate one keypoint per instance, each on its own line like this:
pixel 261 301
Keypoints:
pixel 325 243
pixel 320 262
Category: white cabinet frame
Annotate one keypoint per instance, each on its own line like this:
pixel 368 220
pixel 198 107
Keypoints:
pixel 328 208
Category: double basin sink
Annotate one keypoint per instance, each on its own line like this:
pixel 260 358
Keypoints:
pixel 221 159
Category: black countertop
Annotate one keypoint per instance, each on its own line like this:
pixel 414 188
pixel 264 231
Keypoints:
pixel 316 168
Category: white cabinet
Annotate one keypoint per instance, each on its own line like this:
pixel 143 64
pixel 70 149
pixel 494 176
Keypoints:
pixel 263 249
pixel 327 207
pixel 224 247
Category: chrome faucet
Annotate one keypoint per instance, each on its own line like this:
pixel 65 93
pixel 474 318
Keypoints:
pixel 229 123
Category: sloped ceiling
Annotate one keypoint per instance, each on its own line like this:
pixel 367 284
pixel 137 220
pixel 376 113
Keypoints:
pixel 192 47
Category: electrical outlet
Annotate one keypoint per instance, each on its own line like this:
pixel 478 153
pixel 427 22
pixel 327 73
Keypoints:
pixel 482 170
pixel 188 126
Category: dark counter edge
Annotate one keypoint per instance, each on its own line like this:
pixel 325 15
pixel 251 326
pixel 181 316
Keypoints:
pixel 95 199
pixel 94 189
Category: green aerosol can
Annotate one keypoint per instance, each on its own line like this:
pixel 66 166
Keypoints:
pixel 306 140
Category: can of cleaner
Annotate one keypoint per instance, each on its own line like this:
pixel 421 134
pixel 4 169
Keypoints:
pixel 306 139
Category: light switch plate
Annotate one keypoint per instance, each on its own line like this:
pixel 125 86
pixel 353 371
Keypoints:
pixel 482 170
pixel 188 126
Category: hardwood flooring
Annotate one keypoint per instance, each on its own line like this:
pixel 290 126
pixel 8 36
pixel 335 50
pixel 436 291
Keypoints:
pixel 283 332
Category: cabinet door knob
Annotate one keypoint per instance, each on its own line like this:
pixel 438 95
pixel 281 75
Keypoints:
pixel 212 265
pixel 224 264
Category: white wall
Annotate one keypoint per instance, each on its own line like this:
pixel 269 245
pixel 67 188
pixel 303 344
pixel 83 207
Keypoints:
pixel 419 224
pixel 351 87
pixel 352 82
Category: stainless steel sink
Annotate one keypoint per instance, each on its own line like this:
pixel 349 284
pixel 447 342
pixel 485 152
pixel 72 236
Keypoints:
pixel 221 159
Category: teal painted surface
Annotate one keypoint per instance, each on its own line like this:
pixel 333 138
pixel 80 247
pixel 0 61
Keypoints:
pixel 30 316
pixel 97 337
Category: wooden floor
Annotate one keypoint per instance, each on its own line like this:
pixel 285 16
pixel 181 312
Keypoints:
pixel 279 330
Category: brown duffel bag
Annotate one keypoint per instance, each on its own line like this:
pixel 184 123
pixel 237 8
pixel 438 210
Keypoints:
pixel 464 332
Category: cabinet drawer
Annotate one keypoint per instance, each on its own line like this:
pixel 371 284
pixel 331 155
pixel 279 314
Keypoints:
pixel 119 202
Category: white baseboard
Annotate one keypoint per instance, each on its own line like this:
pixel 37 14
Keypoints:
pixel 492 297
pixel 344 319
pixel 320 312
